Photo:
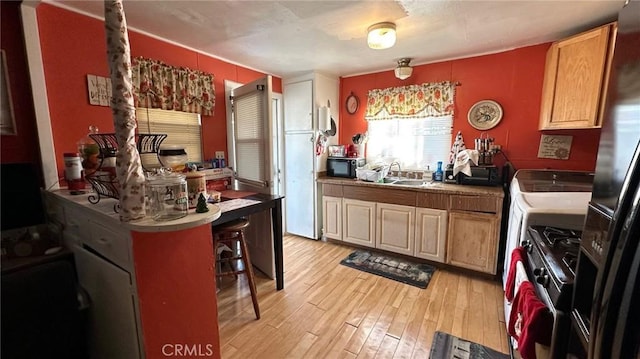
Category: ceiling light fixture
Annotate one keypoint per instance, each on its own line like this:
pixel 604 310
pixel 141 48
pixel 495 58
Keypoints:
pixel 381 35
pixel 403 71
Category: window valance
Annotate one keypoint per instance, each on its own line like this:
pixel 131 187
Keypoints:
pixel 412 101
pixel 158 85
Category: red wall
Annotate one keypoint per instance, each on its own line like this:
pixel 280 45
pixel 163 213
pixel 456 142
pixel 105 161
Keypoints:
pixel 512 78
pixel 22 147
pixel 67 63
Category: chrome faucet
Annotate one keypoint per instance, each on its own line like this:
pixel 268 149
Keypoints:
pixel 399 169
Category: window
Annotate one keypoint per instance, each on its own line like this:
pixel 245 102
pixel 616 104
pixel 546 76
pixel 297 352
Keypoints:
pixel 181 128
pixel 414 143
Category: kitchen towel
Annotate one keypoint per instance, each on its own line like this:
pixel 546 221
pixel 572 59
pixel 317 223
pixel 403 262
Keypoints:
pixel 462 162
pixel 456 147
pixel 516 256
pixel 530 321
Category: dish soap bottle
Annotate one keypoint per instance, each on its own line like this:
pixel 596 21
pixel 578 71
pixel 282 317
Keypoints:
pixel 439 174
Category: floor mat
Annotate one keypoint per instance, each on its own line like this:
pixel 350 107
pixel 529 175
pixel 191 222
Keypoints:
pixel 447 346
pixel 399 269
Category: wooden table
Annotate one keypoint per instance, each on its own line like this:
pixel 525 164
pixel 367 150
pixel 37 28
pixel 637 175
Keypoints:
pixel 266 202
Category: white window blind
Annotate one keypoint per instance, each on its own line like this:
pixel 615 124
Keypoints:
pixel 414 143
pixel 181 128
pixel 250 140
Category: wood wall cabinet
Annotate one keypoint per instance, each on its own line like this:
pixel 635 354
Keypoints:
pixel 473 240
pixel 431 234
pixel 332 217
pixel 358 225
pixel 576 78
pixel 395 228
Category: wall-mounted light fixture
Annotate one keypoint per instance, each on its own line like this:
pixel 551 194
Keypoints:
pixel 381 35
pixel 403 71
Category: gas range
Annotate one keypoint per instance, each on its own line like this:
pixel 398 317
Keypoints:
pixel 552 254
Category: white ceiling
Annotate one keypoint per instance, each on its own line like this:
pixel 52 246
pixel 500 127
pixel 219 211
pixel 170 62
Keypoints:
pixel 286 38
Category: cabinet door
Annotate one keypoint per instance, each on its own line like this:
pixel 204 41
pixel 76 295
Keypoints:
pixel 332 217
pixel 298 106
pixel 112 318
pixel 395 228
pixel 431 234
pixel 358 222
pixel 575 78
pixel 473 241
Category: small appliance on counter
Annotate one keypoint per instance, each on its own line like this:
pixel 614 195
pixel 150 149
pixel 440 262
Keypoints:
pixel 480 176
pixel 343 166
pixel 337 150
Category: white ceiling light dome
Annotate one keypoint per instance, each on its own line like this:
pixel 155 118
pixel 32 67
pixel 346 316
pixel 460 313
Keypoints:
pixel 403 71
pixel 381 35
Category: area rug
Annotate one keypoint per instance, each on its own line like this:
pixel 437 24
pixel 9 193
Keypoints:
pixel 401 270
pixel 447 346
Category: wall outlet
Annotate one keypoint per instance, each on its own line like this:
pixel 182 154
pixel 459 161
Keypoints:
pixel 219 154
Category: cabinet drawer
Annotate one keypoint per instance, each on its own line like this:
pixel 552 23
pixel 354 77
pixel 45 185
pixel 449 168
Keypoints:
pixel 75 222
pixel 110 243
pixel 433 200
pixel 381 195
pixel 474 203
pixel 332 190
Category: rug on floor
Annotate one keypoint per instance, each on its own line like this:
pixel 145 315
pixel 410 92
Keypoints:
pixel 447 346
pixel 399 269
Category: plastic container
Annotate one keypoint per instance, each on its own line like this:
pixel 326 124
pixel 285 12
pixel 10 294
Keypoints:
pixel 439 175
pixel 72 166
pixel 167 194
pixel 173 156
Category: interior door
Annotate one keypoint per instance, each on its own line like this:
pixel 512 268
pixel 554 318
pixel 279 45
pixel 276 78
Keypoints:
pixel 253 124
pixel 252 134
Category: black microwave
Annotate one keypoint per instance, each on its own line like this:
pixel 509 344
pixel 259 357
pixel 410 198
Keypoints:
pixel 343 166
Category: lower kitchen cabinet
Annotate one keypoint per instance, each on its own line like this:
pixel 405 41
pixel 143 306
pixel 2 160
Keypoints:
pixel 111 313
pixel 395 228
pixel 431 234
pixel 473 241
pixel 332 217
pixel 358 225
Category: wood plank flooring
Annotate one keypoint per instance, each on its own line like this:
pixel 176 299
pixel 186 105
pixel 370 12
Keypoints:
pixel 328 310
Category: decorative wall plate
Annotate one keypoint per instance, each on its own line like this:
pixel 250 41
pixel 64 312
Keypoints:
pixel 352 103
pixel 485 115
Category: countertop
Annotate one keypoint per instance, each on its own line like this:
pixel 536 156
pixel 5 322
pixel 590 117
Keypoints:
pixel 433 187
pixel 105 208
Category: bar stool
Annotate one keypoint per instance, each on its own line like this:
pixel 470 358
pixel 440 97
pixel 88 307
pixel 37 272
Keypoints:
pixel 227 234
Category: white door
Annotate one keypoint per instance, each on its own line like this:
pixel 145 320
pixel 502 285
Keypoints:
pixel 300 182
pixel 254 154
pixel 112 319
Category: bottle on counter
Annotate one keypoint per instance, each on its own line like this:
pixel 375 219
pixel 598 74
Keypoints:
pixel 439 175
pixel 427 175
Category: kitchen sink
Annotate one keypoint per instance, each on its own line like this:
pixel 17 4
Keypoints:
pixel 390 180
pixel 409 182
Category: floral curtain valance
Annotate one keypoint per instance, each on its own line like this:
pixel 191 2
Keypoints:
pixel 158 85
pixel 413 101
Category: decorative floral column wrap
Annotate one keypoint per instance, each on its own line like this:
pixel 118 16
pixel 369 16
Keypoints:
pixel 129 167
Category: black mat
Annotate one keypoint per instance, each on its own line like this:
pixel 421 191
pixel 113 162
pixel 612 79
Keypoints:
pixel 399 269
pixel 447 346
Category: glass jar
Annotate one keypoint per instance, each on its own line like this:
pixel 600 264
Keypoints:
pixel 90 152
pixel 173 156
pixel 196 184
pixel 167 195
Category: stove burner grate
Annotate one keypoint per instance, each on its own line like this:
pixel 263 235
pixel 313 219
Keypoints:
pixel 565 238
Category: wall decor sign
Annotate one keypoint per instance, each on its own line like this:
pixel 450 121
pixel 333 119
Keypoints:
pixel 7 121
pixel 555 146
pixel 99 90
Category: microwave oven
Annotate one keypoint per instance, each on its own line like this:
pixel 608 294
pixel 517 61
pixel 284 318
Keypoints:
pixel 343 166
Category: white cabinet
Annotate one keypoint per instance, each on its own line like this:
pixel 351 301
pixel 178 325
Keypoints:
pixel 332 217
pixel 358 222
pixel 298 106
pixel 111 313
pixel 431 234
pixel 395 228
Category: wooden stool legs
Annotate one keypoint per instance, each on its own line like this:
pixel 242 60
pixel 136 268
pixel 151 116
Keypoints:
pixel 246 261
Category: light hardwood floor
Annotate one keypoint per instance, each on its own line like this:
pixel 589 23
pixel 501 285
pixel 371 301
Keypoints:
pixel 328 310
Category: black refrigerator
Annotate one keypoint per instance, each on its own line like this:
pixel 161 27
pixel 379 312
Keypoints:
pixel 605 311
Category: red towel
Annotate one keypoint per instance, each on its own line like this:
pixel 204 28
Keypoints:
pixel 530 321
pixel 517 255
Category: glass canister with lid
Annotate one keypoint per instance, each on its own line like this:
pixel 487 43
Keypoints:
pixel 167 196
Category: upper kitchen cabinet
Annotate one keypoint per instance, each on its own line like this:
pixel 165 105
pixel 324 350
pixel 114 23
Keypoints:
pixel 576 78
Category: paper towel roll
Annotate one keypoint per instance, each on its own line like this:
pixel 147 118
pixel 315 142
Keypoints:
pixel 324 118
